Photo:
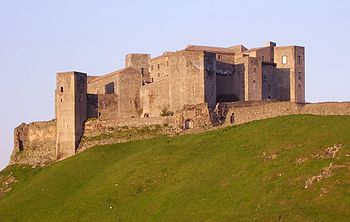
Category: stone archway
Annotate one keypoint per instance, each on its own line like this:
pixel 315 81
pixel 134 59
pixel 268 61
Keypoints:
pixel 188 124
pixel 232 118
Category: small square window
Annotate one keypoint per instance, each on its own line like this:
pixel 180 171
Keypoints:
pixel 284 59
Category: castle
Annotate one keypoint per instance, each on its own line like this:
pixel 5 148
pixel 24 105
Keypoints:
pixel 147 86
pixel 196 87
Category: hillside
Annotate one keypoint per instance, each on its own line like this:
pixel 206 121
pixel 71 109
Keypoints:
pixel 291 168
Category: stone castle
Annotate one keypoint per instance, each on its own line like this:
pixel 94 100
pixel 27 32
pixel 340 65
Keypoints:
pixel 196 87
pixel 147 86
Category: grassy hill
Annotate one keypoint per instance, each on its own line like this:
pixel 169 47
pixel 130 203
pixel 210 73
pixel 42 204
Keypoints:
pixel 251 172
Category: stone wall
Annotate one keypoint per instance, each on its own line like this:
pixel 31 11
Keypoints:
pixel 243 113
pixel 177 79
pixel 34 143
pixel 104 106
pixel 71 111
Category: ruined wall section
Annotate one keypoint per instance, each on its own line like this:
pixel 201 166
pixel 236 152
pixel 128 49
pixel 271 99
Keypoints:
pixel 34 143
pixel 71 111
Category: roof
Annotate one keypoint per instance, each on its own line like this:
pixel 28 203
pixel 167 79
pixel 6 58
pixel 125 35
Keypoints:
pixel 209 49
pixel 108 75
pixel 258 48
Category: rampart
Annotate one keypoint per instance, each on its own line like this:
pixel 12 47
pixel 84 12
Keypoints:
pixel 238 113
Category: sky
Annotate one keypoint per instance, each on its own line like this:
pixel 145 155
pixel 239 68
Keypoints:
pixel 40 38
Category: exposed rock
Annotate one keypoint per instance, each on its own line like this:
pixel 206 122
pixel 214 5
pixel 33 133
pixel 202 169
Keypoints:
pixel 325 173
pixel 270 157
pixel 328 153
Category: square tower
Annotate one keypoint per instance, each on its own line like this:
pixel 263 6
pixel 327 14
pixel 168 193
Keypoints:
pixel 71 112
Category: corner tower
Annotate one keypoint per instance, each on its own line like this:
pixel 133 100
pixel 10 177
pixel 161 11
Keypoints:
pixel 71 112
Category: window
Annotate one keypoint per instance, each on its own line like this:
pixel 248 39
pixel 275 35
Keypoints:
pixel 158 66
pixel 263 58
pixel 219 56
pixel 158 74
pixel 299 75
pixel 254 69
pixel 299 60
pixel 284 59
pixel 142 72
pixel 61 89
pixel 167 63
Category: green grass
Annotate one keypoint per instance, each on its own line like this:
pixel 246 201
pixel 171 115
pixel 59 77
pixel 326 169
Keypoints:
pixel 220 175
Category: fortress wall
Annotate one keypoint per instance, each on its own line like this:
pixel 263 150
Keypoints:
pixel 128 91
pixel 258 111
pixel 104 106
pixel 99 86
pixel 34 143
pixel 155 97
pixel 193 117
pixel 187 79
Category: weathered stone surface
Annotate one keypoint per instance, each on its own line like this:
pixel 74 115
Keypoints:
pixel 34 143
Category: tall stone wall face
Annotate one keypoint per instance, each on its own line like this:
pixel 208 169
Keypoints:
pixel 294 65
pixel 104 106
pixel 253 81
pixel 140 62
pixel 34 143
pixel 128 91
pixel 276 83
pixel 71 111
pixel 178 79
pixel 210 79
pixel 229 79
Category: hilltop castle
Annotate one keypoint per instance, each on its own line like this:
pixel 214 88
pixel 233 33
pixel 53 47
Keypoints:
pixel 196 87
pixel 147 86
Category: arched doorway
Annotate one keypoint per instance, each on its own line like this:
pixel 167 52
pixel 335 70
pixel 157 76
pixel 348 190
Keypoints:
pixel 232 118
pixel 188 124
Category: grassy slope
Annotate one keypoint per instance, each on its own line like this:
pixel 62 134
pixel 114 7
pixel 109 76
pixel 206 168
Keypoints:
pixel 214 176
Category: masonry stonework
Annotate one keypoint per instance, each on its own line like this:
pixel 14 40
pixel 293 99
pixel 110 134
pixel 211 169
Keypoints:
pixel 194 88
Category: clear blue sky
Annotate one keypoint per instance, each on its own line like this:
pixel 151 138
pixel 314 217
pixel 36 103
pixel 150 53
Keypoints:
pixel 40 38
